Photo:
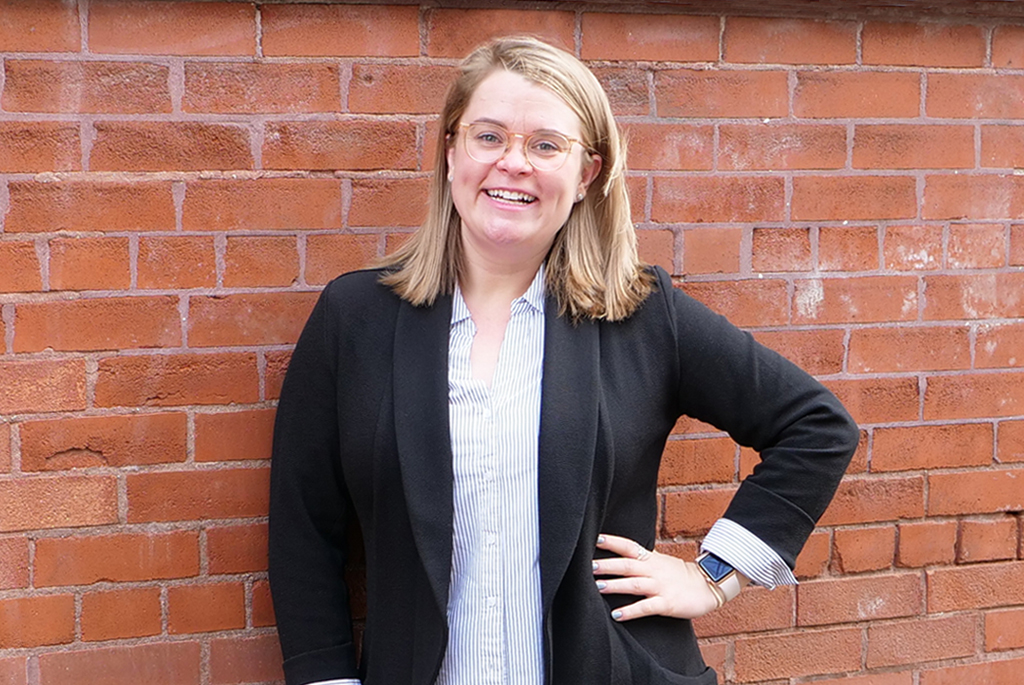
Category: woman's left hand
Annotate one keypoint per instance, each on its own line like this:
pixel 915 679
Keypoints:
pixel 669 586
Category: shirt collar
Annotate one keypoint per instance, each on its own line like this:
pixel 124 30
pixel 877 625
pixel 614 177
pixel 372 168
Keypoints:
pixel 534 297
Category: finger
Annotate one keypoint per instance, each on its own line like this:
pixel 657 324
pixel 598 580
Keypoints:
pixel 644 607
pixel 637 585
pixel 619 545
pixel 619 566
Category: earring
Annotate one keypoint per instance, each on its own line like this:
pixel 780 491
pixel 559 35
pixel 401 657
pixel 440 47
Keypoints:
pixel 451 174
pixel 579 198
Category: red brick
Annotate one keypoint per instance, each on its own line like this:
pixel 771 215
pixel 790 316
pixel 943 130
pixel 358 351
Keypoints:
pixel 389 89
pixel 161 663
pixel 21 271
pixel 932 348
pixel 205 608
pixel 13 564
pixel 41 26
pixel 123 613
pixel 848 248
pixel 804 653
pixel 14 671
pixel 97 324
pixel 1008 46
pixel 687 462
pixel 114 558
pixel 246 659
pixel 715 654
pixel 903 678
pixel 864 549
pixel 43 207
pixel 926 543
pixel 995 197
pixel 761 302
pixel 87 87
pixel 261 87
pixel 1002 147
pixel 865 500
pixel 912 248
pixel 169 380
pixel 976 246
pixel 277 364
pixel 237 549
pixel 262 204
pixel 57 444
pixel 231 436
pixel 842 94
pixel 192 495
pixel 340 30
pixel 58 502
pixel 626 88
pixel 851 600
pixel 455 32
pixel 1017 246
pixel 907 448
pixel 987 540
pixel 89 264
pixel 975 587
pixel 975 492
pixel 789 41
pixel 839 198
pixel 262 605
pixel 982 396
pixel 901 146
pixel 859 461
pixel 1011 441
pixel 670 147
pixel 732 199
pixel 34 621
pixel 660 38
pixel 967 95
pixel 711 250
pixel 261 261
pixel 1003 629
pixel 858 300
pixel 995 672
pixel 692 512
pixel 920 639
pixel 29 146
pixel 999 345
pixel 781 146
pixel 169 146
pixel 43 385
pixel 246 319
pixel 328 256
pixel 982 296
pixel 388 202
pixel 816 351
pixel 814 557
pixel 657 247
pixel 756 609
pixel 5 449
pixel 177 262
pixel 693 93
pixel 172 28
pixel 328 145
pixel 923 44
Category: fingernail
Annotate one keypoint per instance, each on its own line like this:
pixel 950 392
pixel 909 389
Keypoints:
pixel 593 565
pixel 616 614
pixel 601 585
pixel 600 539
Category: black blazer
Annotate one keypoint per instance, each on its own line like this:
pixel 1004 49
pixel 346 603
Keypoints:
pixel 362 429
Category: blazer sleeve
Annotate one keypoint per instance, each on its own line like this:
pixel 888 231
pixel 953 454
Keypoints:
pixel 803 434
pixel 309 511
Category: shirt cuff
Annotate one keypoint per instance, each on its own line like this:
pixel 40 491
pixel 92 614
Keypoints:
pixel 344 681
pixel 748 554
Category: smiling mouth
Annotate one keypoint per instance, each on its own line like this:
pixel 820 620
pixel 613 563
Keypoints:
pixel 511 196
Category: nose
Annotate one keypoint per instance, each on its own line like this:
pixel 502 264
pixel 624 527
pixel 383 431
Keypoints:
pixel 515 160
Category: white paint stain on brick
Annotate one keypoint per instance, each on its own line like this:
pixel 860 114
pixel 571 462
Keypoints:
pixel 809 297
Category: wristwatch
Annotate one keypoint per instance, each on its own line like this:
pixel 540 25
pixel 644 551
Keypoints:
pixel 721 576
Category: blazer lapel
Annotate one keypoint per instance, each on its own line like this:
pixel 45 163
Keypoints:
pixel 568 436
pixel 421 430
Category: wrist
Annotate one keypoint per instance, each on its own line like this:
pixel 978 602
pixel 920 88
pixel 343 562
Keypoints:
pixel 724 581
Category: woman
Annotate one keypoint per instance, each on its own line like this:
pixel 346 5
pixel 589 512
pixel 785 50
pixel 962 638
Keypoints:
pixel 492 406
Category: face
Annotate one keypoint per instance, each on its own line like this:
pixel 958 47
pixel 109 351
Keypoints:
pixel 510 210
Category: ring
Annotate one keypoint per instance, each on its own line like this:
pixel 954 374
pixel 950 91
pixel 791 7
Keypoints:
pixel 642 553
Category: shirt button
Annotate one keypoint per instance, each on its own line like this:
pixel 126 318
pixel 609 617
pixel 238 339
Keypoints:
pixel 491 538
pixel 492 601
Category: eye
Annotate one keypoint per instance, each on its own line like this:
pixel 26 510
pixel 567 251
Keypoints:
pixel 548 145
pixel 489 137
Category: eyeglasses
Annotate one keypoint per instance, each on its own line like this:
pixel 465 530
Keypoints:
pixel 544 150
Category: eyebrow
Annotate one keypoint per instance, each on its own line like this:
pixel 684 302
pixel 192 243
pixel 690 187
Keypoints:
pixel 488 120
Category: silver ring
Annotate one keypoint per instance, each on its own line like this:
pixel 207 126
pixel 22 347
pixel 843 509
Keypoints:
pixel 642 553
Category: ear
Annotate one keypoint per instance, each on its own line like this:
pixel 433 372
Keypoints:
pixel 590 170
pixel 450 153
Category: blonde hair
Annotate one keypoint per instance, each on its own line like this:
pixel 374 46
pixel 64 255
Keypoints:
pixel 592 268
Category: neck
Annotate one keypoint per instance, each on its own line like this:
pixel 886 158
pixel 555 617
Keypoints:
pixel 495 282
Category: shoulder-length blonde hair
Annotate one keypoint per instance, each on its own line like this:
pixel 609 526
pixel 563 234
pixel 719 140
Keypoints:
pixel 592 269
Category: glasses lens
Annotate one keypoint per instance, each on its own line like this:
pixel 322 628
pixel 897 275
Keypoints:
pixel 547 151
pixel 487 143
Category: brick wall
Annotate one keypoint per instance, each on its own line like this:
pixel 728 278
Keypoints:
pixel 177 180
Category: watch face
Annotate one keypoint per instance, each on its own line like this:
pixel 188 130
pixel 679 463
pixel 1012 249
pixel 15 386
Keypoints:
pixel 715 567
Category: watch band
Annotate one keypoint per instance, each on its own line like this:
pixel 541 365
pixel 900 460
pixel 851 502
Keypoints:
pixel 721 576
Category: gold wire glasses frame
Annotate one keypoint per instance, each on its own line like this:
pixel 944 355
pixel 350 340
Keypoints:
pixel 544 150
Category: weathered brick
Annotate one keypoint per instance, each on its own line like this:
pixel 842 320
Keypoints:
pixel 193 495
pixel 262 204
pixel 920 639
pixel 978 396
pixel 931 348
pixel 668 38
pixel 264 318
pixel 906 448
pixel 803 653
pixel 33 146
pixel 57 502
pixel 847 198
pixel 671 147
pixel 975 492
pixel 454 32
pixel 389 89
pixel 789 41
pixel 832 94
pixel 851 600
pixel 169 146
pixel 234 436
pixel 923 44
pixel 251 261
pixel 90 206
pixel 781 146
pixel 42 385
pixel 860 300
pixel 328 145
pixel 97 324
pixel 261 87
pixel 694 93
pixel 90 264
pixel 340 30
pixel 116 558
pixel 86 87
pixel 36 621
pixel 170 380
pixel 177 262
pixel 161 663
pixel 864 500
pixel 173 28
pixel 726 199
pixel 42 26
pixel 926 543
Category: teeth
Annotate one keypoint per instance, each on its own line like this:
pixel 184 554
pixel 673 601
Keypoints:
pixel 511 196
